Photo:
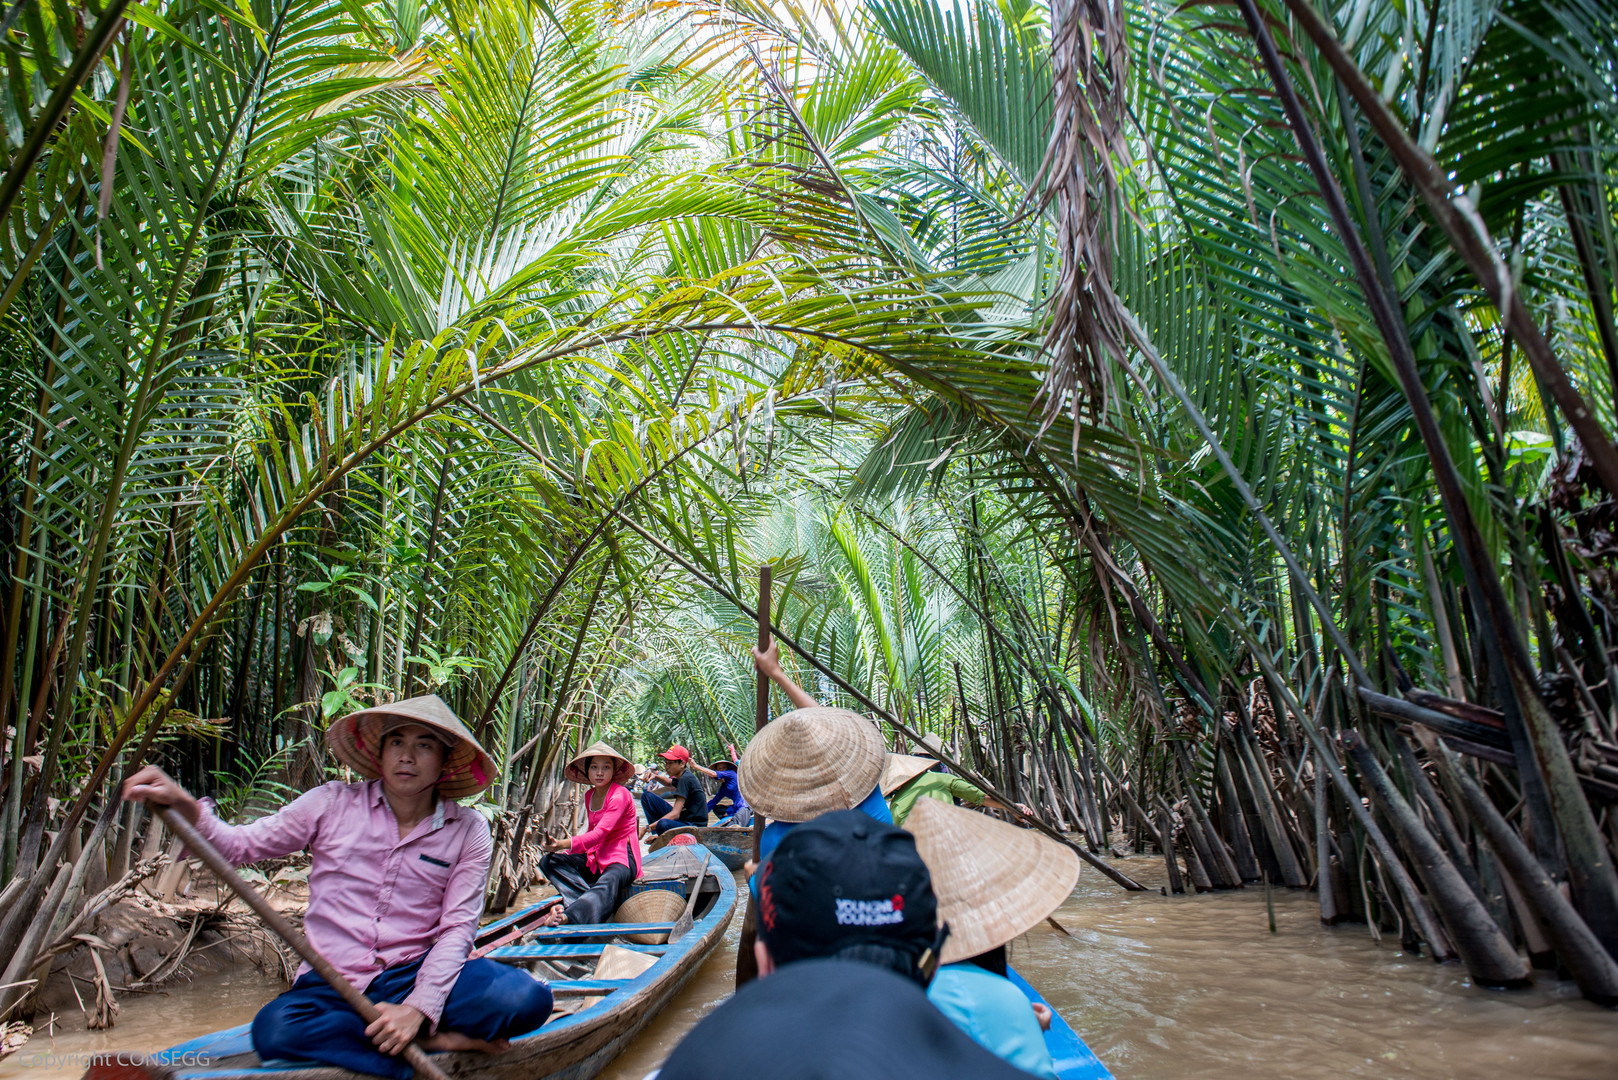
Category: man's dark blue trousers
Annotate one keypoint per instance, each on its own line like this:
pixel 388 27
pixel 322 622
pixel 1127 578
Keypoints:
pixel 656 806
pixel 312 1022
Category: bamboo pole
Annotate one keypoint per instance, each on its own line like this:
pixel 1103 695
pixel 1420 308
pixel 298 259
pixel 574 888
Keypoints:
pixel 199 846
pixel 746 962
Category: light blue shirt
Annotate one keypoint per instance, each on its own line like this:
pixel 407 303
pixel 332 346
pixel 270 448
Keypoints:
pixel 995 1014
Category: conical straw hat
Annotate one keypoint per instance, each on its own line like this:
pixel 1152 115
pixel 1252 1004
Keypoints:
pixel 810 762
pixel 575 769
pixel 650 906
pixel 994 881
pixel 901 769
pixel 356 739
pixel 932 742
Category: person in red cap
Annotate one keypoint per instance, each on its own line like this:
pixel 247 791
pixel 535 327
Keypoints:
pixel 687 806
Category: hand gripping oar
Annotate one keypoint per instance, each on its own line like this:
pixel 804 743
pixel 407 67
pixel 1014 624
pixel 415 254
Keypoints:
pixel 746 962
pixel 277 922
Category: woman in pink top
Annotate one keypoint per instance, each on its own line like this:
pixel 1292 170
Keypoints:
pixel 593 870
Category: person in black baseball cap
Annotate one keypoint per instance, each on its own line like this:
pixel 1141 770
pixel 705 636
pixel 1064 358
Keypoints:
pixel 847 937
pixel 849 887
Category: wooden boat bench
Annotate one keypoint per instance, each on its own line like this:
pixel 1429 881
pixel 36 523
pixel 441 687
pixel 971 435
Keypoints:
pixel 583 930
pixel 516 954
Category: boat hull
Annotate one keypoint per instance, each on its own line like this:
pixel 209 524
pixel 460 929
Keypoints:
pixel 1072 1059
pixel 573 1047
pixel 730 844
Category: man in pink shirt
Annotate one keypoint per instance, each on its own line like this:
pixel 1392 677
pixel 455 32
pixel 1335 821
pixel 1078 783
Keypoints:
pixel 395 891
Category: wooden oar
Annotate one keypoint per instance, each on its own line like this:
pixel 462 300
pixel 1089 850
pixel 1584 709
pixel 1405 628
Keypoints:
pixel 685 921
pixel 277 922
pixel 746 963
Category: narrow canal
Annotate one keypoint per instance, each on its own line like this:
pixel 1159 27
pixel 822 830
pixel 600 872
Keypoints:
pixel 1159 987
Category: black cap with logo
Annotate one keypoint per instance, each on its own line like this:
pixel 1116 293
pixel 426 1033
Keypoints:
pixel 841 880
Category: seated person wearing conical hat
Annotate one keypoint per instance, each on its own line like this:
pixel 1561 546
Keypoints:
pixel 994 882
pixel 847 937
pixel 396 886
pixel 593 870
pixel 908 777
pixel 811 761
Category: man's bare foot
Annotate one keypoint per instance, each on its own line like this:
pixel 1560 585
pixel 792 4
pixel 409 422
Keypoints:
pixel 554 917
pixel 454 1040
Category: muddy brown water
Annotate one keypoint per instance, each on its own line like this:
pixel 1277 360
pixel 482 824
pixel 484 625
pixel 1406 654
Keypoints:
pixel 1159 987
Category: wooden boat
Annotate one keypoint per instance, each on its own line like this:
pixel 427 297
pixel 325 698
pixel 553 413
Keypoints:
pixel 730 844
pixel 1073 1059
pixel 571 1045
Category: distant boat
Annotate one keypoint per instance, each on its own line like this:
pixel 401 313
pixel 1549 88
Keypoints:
pixel 571 1045
pixel 730 844
pixel 1071 1057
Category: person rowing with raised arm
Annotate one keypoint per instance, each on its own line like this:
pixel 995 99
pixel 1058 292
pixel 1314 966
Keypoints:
pixel 811 761
pixel 396 886
pixel 728 795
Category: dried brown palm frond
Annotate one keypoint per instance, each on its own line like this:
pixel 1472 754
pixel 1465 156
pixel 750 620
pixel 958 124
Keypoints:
pixel 1080 173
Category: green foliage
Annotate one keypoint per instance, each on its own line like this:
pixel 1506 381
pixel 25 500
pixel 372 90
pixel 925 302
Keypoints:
pixel 345 365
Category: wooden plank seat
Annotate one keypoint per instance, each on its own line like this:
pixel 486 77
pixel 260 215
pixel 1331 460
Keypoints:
pixel 520 953
pixel 584 930
pixel 527 914
pixel 575 987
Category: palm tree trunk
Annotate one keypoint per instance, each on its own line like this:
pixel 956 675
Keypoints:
pixel 1488 955
pixel 1542 758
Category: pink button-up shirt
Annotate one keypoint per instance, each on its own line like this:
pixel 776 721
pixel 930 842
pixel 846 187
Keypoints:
pixel 376 900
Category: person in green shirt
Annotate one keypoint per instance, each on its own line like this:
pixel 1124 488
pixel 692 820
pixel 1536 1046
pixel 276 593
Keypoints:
pixel 908 777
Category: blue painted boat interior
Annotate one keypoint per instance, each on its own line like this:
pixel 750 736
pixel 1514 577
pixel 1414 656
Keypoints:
pixel 1072 1058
